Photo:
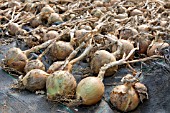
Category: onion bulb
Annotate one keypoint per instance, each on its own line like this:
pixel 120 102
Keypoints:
pixel 60 50
pixel 35 80
pixel 124 97
pixel 34 64
pixel 14 28
pixel 54 17
pixel 90 90
pixel 127 33
pixel 35 22
pixel 96 12
pixel 156 47
pixel 60 84
pixel 78 36
pixel 15 58
pixel 100 58
pixel 143 44
pixel 45 12
pixel 126 48
pixel 50 35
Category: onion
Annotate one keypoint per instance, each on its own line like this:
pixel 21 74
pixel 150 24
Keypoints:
pixel 141 90
pixel 14 28
pixel 127 33
pixel 32 41
pixel 127 47
pixel 124 97
pixel 34 80
pixel 60 84
pixel 164 23
pixel 156 47
pixel 35 22
pixel 54 17
pixel 100 58
pixel 60 50
pixel 120 9
pixel 15 58
pixel 45 12
pixel 34 64
pixel 90 90
pixel 143 44
pixel 96 12
pixel 50 35
pixel 78 36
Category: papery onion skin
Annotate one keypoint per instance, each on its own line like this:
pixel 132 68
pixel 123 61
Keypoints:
pixel 60 50
pixel 50 35
pixel 123 98
pixel 143 45
pixel 35 22
pixel 34 64
pixel 156 47
pixel 60 83
pixel 90 90
pixel 15 58
pixel 54 17
pixel 100 58
pixel 13 28
pixel 127 47
pixel 35 80
pixel 45 12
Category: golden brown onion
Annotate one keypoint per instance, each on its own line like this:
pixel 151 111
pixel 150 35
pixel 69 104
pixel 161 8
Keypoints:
pixel 13 28
pixel 100 58
pixel 46 11
pixel 60 50
pixel 127 47
pixel 34 64
pixel 143 44
pixel 60 84
pixel 35 80
pixel 54 17
pixel 15 58
pixel 124 98
pixel 50 35
pixel 35 22
pixel 90 90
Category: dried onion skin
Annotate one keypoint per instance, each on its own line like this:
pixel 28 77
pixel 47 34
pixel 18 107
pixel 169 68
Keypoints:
pixel 100 58
pixel 60 84
pixel 90 90
pixel 35 80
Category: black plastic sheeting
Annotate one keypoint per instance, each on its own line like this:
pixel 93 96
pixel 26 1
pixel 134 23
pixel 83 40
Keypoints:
pixel 156 76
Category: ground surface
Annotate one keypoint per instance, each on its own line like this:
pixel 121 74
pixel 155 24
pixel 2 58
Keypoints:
pixel 156 76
